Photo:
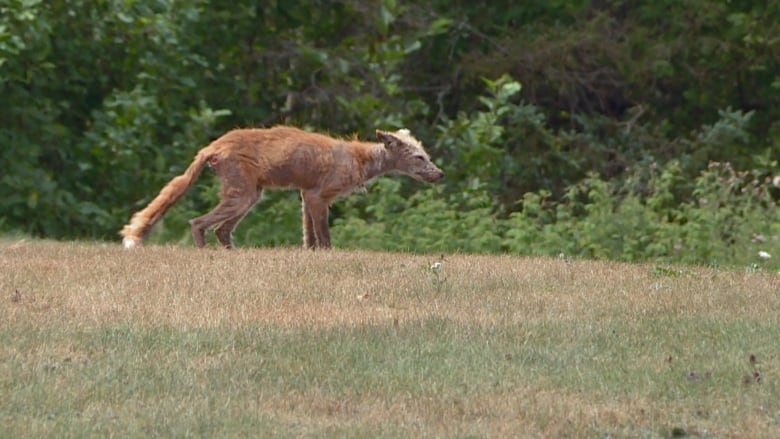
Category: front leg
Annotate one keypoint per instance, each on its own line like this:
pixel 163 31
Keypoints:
pixel 322 229
pixel 315 220
pixel 309 239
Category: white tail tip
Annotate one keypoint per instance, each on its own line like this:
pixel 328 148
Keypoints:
pixel 129 243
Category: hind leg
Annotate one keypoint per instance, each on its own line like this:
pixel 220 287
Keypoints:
pixel 237 196
pixel 224 231
pixel 226 216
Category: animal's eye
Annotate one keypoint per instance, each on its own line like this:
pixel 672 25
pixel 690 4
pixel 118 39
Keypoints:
pixel 419 157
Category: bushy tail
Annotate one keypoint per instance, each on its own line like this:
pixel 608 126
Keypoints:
pixel 142 221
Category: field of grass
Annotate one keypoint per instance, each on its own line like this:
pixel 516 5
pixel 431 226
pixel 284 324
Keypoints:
pixel 173 341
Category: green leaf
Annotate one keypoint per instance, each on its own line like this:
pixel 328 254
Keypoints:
pixel 124 18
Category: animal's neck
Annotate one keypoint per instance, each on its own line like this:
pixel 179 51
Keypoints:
pixel 374 160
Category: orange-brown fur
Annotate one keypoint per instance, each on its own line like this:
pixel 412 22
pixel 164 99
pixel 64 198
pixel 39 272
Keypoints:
pixel 321 167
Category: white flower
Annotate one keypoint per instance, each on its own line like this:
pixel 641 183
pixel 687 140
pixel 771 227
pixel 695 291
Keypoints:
pixel 764 255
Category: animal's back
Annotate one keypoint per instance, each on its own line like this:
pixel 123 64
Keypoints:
pixel 281 156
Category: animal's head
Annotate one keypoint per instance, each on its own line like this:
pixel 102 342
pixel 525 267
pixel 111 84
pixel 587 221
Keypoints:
pixel 408 156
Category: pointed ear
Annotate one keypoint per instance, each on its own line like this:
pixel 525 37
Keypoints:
pixel 387 138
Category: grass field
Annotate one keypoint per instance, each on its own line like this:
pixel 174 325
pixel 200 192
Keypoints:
pixel 172 341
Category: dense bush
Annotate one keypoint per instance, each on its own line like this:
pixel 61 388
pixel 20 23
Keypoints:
pixel 654 212
pixel 628 130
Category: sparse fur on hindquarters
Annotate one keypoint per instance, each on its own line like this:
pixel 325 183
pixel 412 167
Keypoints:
pixel 321 167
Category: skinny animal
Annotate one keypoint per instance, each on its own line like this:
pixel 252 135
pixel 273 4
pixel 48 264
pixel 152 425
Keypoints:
pixel 321 167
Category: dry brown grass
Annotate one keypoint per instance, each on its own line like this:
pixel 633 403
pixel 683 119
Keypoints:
pixel 533 304
pixel 93 285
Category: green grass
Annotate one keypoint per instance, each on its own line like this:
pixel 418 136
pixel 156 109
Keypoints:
pixel 172 341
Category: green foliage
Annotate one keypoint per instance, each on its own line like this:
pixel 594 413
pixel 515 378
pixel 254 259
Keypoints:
pixel 583 128
pixel 422 221
pixel 727 219
pixel 93 96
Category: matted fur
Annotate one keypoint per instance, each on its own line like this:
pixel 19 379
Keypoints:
pixel 321 167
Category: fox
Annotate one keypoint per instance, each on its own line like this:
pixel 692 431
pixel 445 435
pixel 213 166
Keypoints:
pixel 249 160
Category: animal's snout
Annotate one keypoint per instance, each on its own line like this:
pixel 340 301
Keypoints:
pixel 437 175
